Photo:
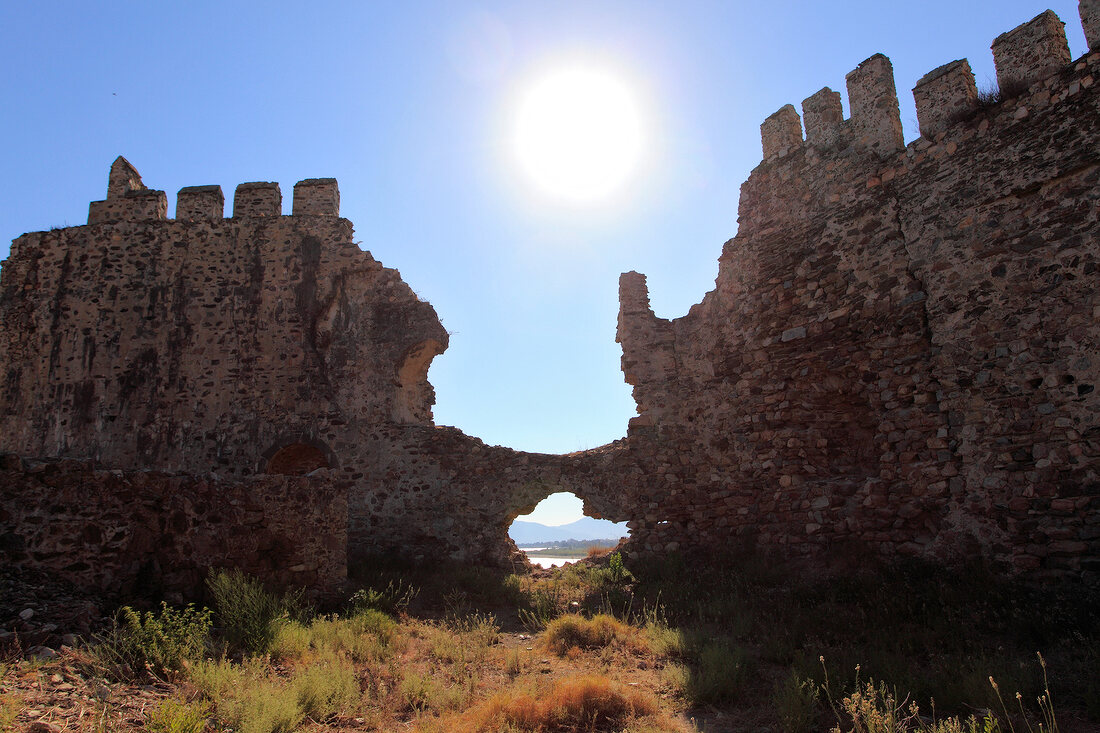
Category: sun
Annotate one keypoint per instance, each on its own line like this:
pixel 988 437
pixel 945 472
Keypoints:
pixel 578 134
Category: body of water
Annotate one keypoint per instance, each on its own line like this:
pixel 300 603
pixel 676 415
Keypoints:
pixel 551 562
pixel 547 562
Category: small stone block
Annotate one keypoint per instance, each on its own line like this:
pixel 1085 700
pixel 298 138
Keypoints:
pixel 200 202
pixel 260 198
pixel 823 115
pixel 781 133
pixel 316 197
pixel 1030 52
pixel 943 94
pixel 873 98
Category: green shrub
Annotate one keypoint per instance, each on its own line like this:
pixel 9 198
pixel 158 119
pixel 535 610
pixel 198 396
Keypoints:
pixel 719 674
pixel 617 570
pixel 419 692
pixel 795 700
pixel 9 711
pixel 245 698
pixel 326 688
pixel 513 664
pixel 249 614
pixel 216 679
pixel 665 641
pixel 393 599
pixel 154 643
pixel 544 604
pixel 264 707
pixel 290 641
pixel 363 637
pixel 175 716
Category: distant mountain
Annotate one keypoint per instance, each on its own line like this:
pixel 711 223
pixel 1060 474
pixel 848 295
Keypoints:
pixel 585 528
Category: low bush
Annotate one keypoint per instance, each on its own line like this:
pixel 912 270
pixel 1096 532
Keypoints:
pixel 393 599
pixel 567 632
pixel 363 637
pixel 176 716
pixel 245 698
pixel 152 643
pixel 326 688
pixel 718 674
pixel 9 711
pixel 249 615
pixel 795 702
pixel 541 605
pixel 572 705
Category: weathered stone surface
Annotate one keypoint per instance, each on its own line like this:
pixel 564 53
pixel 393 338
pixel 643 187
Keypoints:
pixel 135 533
pixel 944 95
pixel 899 356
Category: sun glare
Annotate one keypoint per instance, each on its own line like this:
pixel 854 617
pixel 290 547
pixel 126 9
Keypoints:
pixel 578 134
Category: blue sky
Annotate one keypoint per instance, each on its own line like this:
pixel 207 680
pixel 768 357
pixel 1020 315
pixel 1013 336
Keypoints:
pixel 408 104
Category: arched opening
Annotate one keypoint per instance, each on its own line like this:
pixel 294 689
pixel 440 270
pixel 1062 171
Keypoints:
pixel 296 459
pixel 558 531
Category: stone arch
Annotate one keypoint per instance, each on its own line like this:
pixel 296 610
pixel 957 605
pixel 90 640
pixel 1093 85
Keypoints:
pixel 598 503
pixel 296 457
pixel 415 395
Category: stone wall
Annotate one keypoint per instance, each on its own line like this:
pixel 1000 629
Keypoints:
pixel 204 344
pixel 147 533
pixel 901 346
pixel 898 358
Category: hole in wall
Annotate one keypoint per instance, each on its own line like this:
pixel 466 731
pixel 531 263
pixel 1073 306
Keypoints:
pixel 296 459
pixel 557 531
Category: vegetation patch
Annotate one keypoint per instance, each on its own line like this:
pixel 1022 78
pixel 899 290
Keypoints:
pixel 585 703
pixel 731 644
pixel 156 644
pixel 574 631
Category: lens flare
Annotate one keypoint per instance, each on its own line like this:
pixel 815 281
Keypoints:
pixel 578 134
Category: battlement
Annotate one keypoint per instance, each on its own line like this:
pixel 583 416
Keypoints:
pixel 129 200
pixel 200 202
pixel 1030 52
pixel 1023 56
pixel 259 198
pixel 316 197
pixel 823 116
pixel 875 123
pixel 633 293
pixel 943 94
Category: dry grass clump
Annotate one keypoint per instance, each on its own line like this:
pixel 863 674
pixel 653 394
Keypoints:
pixel 572 631
pixel 583 704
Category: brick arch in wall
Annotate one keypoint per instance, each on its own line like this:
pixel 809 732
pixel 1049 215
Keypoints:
pixel 296 456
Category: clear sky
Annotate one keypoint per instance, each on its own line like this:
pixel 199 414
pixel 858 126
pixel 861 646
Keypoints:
pixel 412 106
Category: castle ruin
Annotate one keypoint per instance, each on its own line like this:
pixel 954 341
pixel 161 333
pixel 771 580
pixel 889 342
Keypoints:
pixel 899 358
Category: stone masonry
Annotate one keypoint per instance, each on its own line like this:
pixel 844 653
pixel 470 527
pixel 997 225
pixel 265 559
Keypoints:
pixel 898 359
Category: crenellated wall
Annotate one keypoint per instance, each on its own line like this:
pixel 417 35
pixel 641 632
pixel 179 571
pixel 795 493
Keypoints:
pixel 901 346
pixel 201 343
pixel 899 356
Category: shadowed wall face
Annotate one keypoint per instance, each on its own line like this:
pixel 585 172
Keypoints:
pixel 899 353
